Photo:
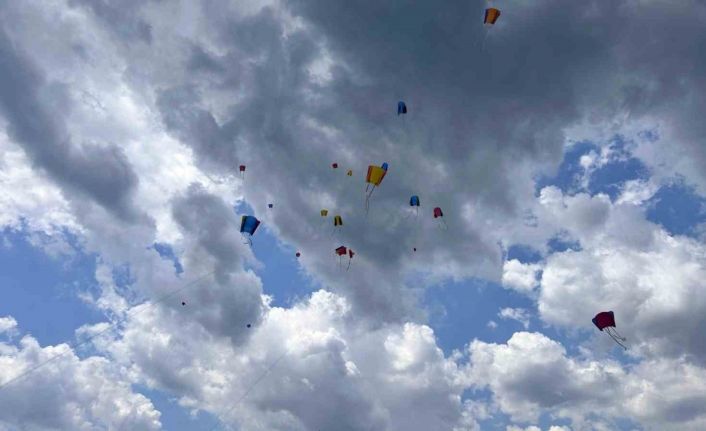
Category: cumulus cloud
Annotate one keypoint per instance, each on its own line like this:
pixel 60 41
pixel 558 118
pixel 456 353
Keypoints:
pixel 520 276
pixel 8 325
pixel 546 379
pixel 29 198
pixel 519 314
pixel 651 280
pixel 32 108
pixel 311 364
pixel 68 392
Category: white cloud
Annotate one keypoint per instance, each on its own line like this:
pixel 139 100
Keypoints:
pixel 520 276
pixel 393 377
pixel 652 282
pixel 636 192
pixel 68 392
pixel 531 374
pixel 28 197
pixel 544 378
pixel 519 314
pixel 8 325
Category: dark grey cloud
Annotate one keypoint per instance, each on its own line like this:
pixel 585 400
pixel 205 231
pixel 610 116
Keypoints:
pixel 122 17
pixel 35 112
pixel 478 114
pixel 226 306
pixel 289 159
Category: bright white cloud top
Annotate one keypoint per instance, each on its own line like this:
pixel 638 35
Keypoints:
pixel 565 147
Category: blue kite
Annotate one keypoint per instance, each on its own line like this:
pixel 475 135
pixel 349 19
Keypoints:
pixel 248 225
pixel 401 108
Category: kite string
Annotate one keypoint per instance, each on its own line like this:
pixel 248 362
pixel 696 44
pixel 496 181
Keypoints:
pixel 74 346
pixel 251 387
pixel 482 47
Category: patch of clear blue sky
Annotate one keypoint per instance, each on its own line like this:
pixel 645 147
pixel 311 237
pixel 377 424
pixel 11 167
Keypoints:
pixel 608 179
pixel 281 275
pixel 524 253
pixel 460 312
pixel 558 244
pixel 569 171
pixel 622 167
pixel 41 292
pixel 678 209
pixel 166 251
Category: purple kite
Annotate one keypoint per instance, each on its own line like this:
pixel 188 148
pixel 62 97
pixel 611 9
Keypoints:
pixel 605 321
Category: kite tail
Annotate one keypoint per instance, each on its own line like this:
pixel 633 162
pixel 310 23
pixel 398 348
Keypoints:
pixel 482 47
pixel 367 198
pixel 617 338
pixel 617 335
pixel 349 264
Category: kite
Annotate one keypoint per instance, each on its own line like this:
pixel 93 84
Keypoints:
pixel 337 223
pixel 373 179
pixel 343 251
pixel 491 15
pixel 440 215
pixel 334 165
pixel 242 171
pixel 414 202
pixel 248 225
pixel 605 321
pixel 401 108
pixel 269 205
pixel 349 173
pixel 298 254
